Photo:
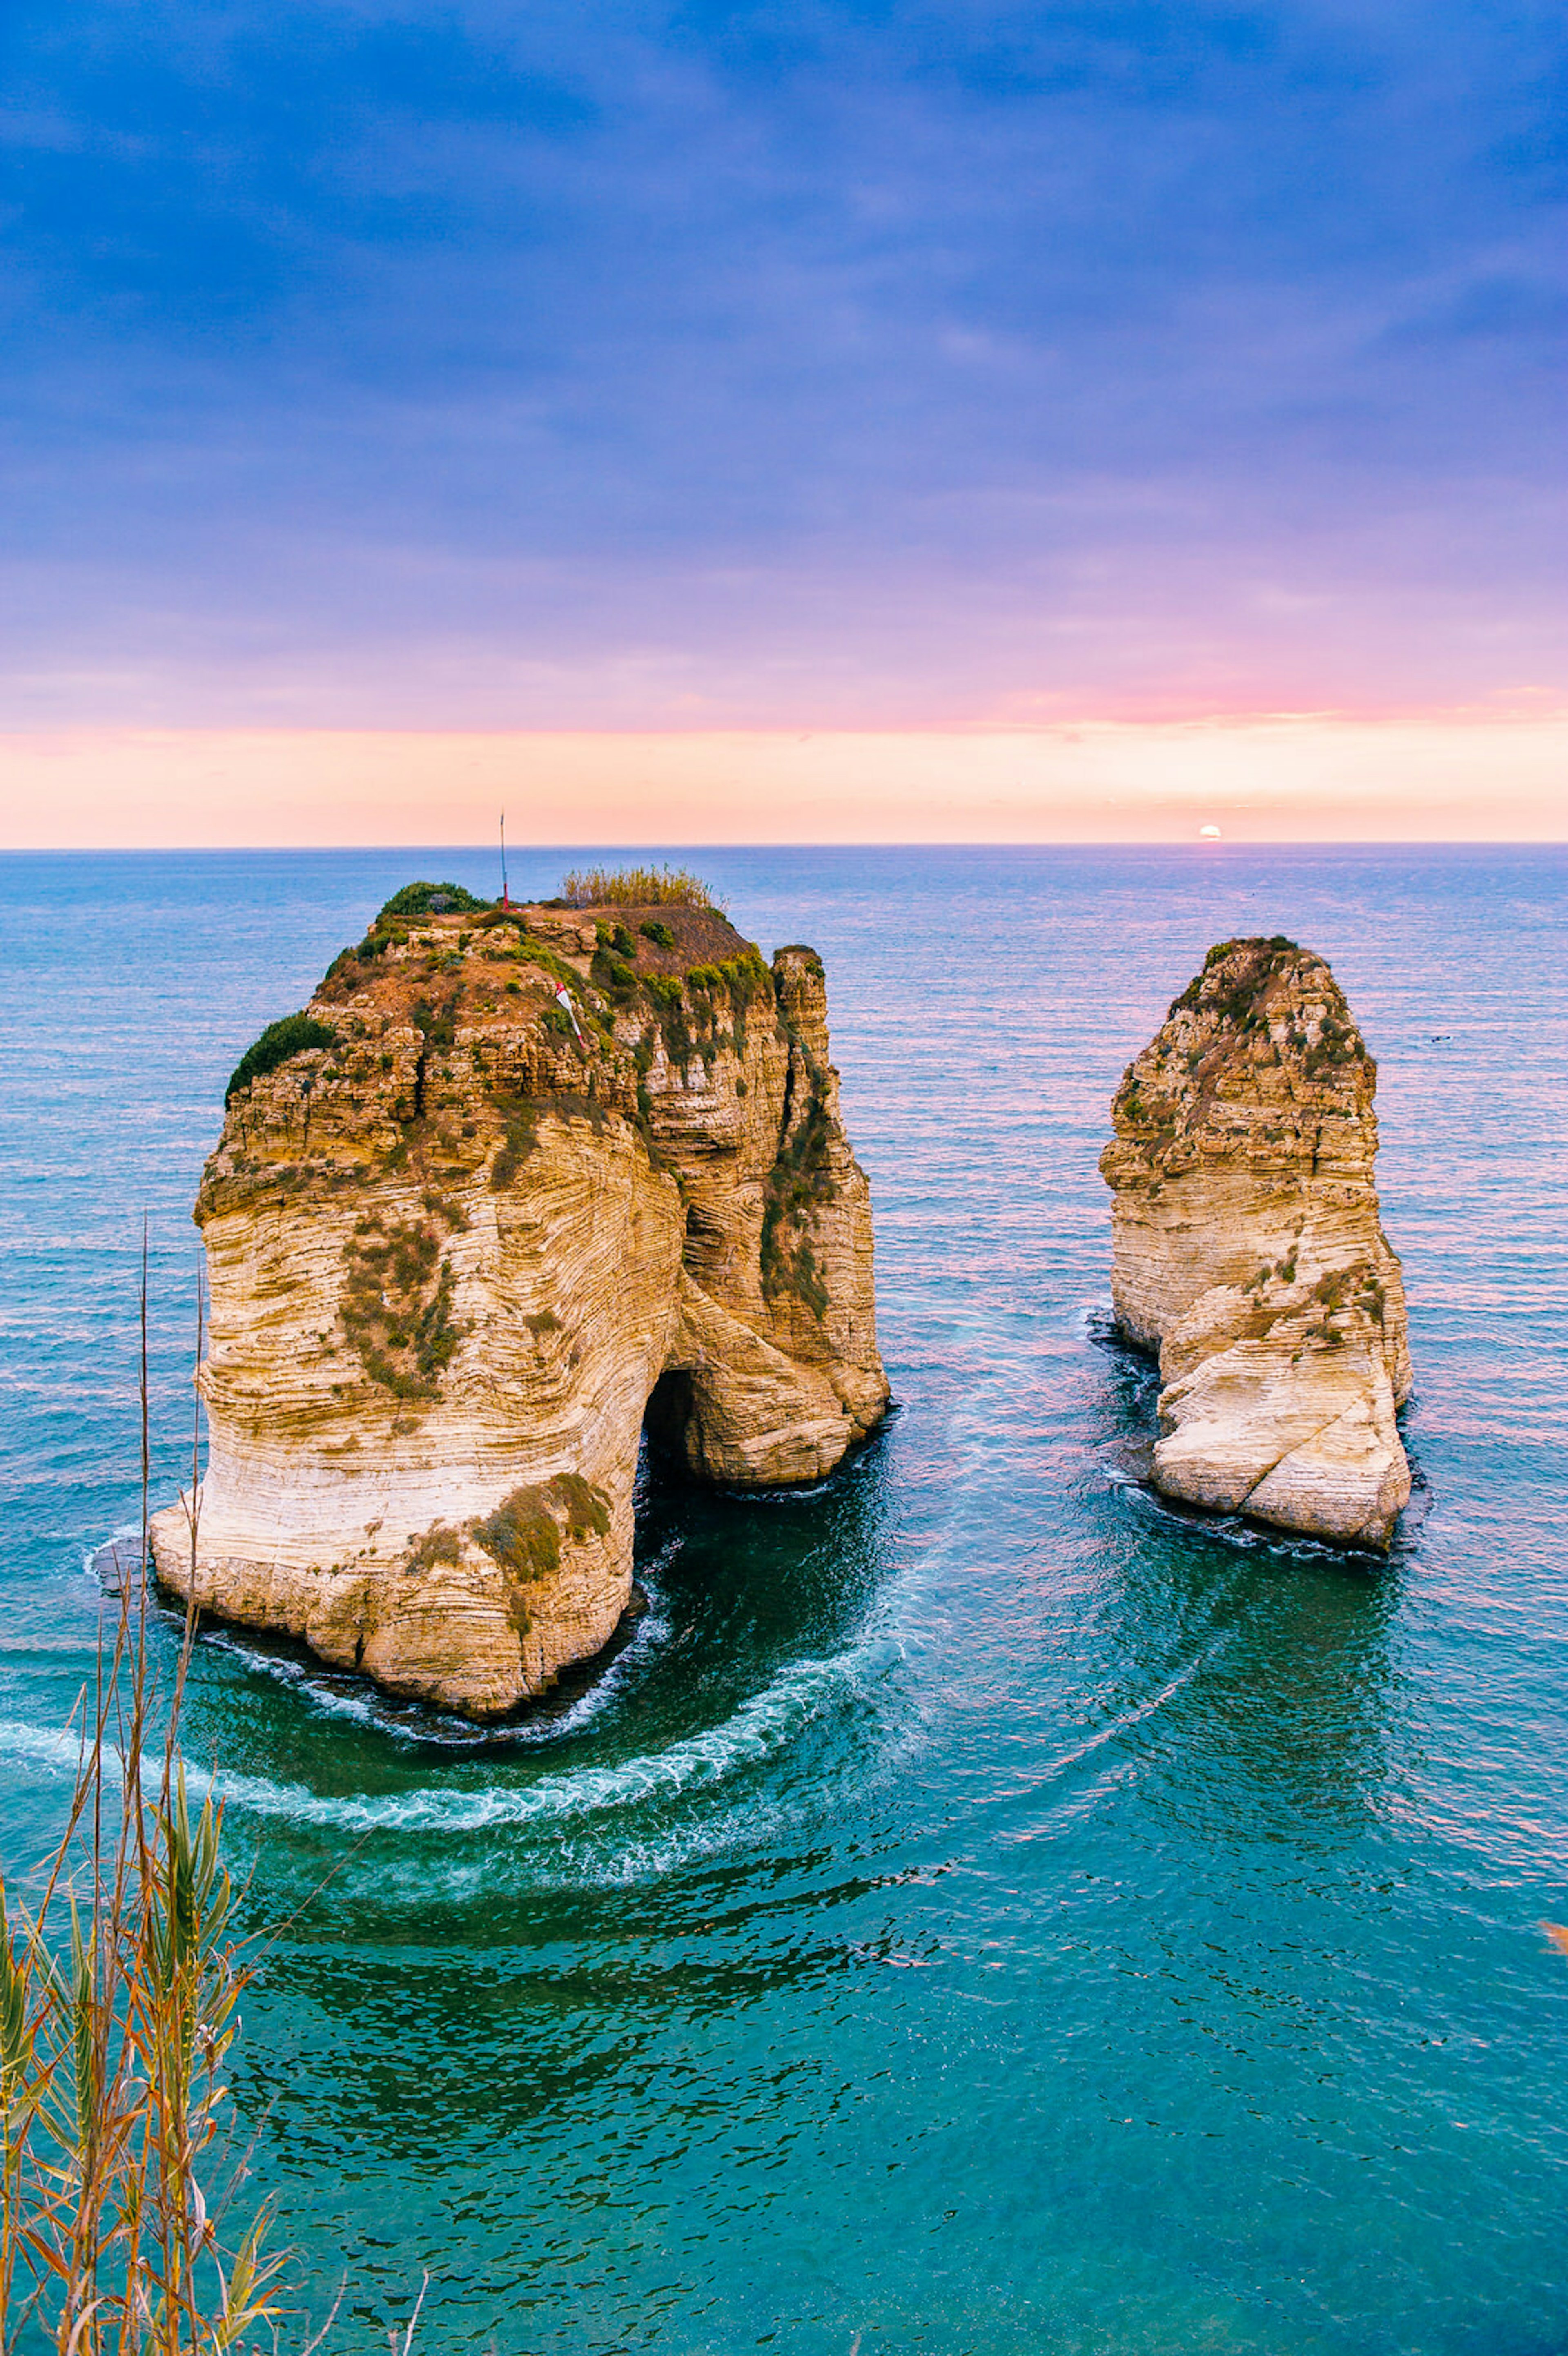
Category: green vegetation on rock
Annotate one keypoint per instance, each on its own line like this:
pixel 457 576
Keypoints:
pixel 799 1181
pixel 295 1034
pixel 430 900
pixel 520 1136
pixel 1235 1002
pixel 523 1534
pixel 440 1543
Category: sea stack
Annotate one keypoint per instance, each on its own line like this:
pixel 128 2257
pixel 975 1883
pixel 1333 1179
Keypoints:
pixel 517 1179
pixel 1248 1250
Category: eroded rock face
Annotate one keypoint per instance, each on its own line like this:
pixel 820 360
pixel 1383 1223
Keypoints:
pixel 452 1250
pixel 1248 1249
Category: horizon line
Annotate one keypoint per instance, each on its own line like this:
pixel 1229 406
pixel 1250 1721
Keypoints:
pixel 870 842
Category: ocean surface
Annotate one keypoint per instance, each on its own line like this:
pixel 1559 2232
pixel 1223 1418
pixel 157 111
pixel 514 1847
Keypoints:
pixel 980 1912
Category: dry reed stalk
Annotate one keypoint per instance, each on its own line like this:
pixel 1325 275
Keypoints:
pixel 635 887
pixel 119 1996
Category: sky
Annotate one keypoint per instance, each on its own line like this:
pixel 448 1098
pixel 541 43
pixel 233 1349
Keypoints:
pixel 803 421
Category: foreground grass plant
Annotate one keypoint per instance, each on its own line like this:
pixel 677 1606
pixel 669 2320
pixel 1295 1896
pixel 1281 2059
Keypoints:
pixel 119 1995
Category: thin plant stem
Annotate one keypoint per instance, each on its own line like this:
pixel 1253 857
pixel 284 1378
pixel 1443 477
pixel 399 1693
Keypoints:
pixel 119 1996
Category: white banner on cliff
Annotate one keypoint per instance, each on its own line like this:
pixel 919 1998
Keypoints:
pixel 571 1011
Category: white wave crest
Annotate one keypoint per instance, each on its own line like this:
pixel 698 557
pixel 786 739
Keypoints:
pixel 758 1729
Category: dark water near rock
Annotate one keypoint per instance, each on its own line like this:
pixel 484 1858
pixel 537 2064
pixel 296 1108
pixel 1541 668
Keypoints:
pixel 978 1911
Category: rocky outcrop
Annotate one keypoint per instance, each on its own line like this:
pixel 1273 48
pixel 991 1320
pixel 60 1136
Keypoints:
pixel 515 1180
pixel 1248 1249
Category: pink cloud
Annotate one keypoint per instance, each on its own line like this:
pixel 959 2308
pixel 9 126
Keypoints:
pixel 1471 775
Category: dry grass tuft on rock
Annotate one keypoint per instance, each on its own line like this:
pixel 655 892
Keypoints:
pixel 635 887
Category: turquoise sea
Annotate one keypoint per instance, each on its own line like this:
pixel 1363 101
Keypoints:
pixel 979 1912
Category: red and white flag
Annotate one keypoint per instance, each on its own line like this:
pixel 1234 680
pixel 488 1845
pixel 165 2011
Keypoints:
pixel 571 1011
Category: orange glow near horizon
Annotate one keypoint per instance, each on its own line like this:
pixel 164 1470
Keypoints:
pixel 1449 776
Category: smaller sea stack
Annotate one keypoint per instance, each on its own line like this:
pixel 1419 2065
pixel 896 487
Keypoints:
pixel 1248 1250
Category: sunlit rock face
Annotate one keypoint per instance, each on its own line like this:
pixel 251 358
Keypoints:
pixel 511 1171
pixel 1248 1249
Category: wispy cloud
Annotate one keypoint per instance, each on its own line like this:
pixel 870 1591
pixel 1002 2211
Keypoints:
pixel 621 364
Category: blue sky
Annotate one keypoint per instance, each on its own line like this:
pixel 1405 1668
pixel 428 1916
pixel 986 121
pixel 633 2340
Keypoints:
pixel 632 366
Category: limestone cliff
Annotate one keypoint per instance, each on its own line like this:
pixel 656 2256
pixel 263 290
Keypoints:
pixel 1247 1249
pixel 512 1172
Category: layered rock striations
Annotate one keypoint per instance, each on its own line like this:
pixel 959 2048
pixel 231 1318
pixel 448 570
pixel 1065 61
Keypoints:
pixel 515 1179
pixel 1248 1249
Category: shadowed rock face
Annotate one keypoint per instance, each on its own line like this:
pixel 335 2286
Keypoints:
pixel 452 1248
pixel 1248 1249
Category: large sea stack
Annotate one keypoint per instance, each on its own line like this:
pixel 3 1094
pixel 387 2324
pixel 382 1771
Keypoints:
pixel 1248 1249
pixel 516 1180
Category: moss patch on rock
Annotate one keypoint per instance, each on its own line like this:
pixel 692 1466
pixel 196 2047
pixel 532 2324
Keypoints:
pixel 395 1306
pixel 800 1182
pixel 440 1543
pixel 524 1533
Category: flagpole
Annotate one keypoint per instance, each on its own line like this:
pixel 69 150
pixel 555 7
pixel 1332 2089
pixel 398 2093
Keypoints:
pixel 506 899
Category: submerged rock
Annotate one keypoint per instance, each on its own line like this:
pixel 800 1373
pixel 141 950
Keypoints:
pixel 515 1179
pixel 1248 1252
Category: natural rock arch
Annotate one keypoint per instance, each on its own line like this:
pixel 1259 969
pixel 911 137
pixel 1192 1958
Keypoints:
pixel 527 1165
